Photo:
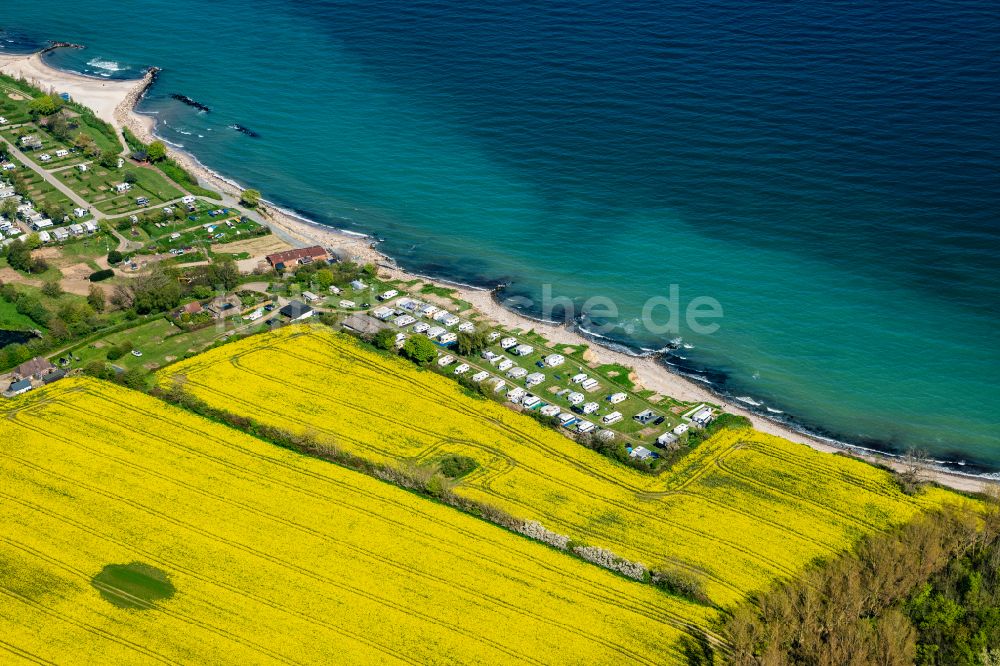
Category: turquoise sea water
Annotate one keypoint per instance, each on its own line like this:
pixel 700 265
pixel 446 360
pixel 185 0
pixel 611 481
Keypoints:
pixel 829 174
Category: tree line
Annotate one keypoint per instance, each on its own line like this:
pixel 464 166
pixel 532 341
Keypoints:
pixel 927 593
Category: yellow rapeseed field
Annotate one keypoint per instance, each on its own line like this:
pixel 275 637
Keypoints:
pixel 741 511
pixel 134 532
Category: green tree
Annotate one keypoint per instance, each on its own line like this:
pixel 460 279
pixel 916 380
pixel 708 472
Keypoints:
pixel 201 291
pixel 85 143
pixel 419 349
pixel 134 378
pixel 20 259
pixel 130 177
pixel 21 184
pixel 53 211
pixel 99 369
pixel 156 151
pixel 45 105
pixel 323 279
pixel 456 466
pixel 39 265
pixel 32 307
pixel 224 274
pixel 385 339
pixel 59 128
pixel 9 293
pixel 250 198
pixel 105 274
pixel 470 344
pixel 52 289
pixel 115 257
pixel 8 208
pixel 17 354
pixel 96 298
pixel 59 330
pixel 115 352
pixel 77 314
pixel 156 292
pixel 108 159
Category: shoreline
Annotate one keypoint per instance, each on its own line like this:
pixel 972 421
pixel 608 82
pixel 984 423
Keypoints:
pixel 116 101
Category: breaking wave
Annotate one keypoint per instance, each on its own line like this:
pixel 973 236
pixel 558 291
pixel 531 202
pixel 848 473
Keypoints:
pixel 106 65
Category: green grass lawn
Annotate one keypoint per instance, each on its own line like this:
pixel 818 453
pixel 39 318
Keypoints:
pixel 11 319
pixel 49 147
pixel 8 313
pixel 89 126
pixel 97 184
pixel 49 275
pixel 10 84
pixel 43 194
pixel 87 249
pixel 159 340
pixel 617 374
pixel 178 175
pixel 444 292
pixel 155 184
pixel 16 112
pixel 193 232
pixel 190 221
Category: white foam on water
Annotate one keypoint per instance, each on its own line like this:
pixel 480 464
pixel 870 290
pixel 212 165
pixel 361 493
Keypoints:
pixel 106 65
pixel 653 351
pixel 298 216
pixel 697 378
pixel 453 283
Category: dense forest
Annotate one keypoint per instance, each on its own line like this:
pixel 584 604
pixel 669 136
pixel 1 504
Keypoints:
pixel 927 593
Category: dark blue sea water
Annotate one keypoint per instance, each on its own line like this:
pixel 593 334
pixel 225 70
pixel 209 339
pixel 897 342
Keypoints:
pixel 828 172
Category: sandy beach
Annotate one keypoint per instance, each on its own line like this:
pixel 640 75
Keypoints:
pixel 114 101
pixel 101 96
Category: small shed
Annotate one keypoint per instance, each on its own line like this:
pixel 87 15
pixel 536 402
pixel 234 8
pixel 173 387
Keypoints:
pixel 296 311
